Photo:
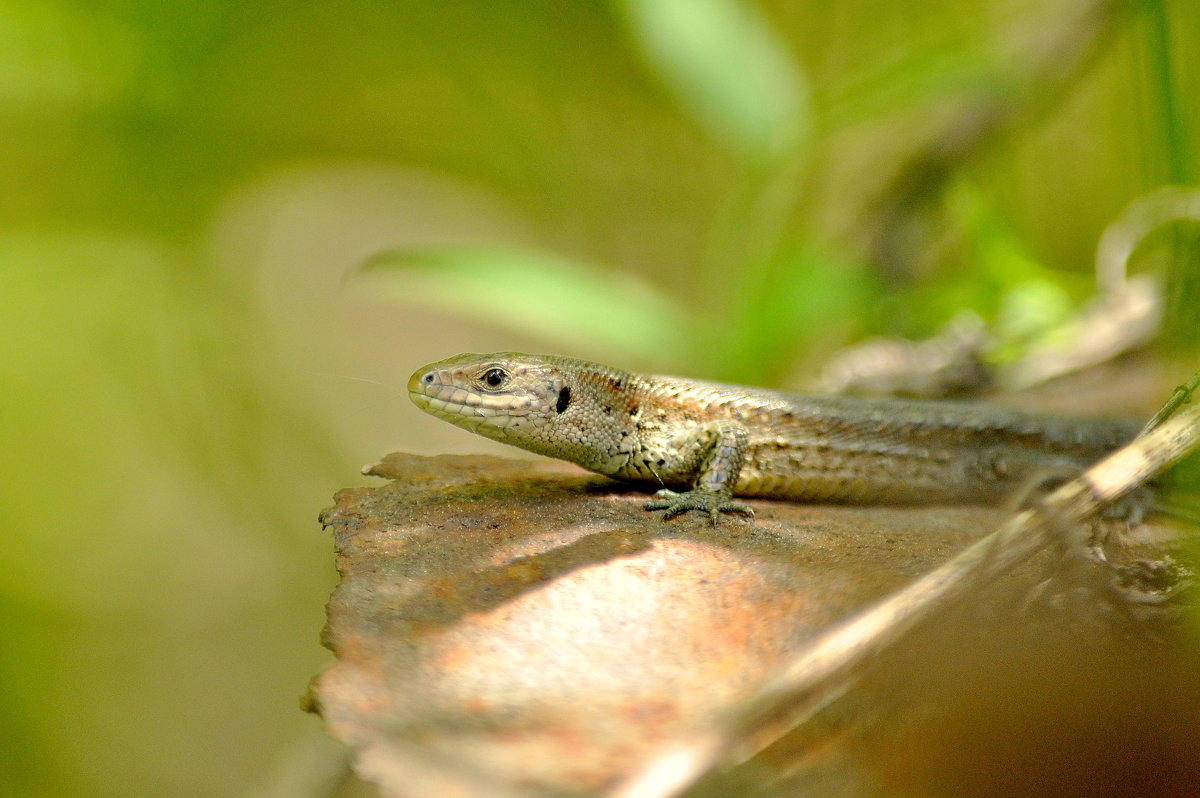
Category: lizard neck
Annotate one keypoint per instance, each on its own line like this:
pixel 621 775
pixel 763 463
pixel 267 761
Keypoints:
pixel 596 427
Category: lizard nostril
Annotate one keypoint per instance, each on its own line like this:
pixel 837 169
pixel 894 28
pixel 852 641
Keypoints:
pixel 428 378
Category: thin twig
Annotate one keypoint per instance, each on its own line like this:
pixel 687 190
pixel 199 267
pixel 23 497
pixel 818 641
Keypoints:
pixel 1181 396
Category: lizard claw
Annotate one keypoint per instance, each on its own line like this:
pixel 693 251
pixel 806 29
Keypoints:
pixel 707 501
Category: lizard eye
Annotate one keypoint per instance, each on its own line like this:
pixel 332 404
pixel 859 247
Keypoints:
pixel 494 377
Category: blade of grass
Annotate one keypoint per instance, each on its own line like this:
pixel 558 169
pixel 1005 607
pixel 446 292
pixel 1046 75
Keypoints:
pixel 575 306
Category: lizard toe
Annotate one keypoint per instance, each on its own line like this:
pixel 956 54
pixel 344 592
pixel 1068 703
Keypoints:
pixel 709 502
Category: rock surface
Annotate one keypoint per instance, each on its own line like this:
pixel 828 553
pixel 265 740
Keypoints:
pixel 525 628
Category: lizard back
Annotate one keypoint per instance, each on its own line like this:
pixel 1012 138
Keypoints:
pixel 893 450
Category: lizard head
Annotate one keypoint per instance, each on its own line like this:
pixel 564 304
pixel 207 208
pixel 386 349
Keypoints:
pixel 503 395
pixel 556 406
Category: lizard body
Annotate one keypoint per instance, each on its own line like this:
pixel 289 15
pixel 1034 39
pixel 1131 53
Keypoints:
pixel 718 441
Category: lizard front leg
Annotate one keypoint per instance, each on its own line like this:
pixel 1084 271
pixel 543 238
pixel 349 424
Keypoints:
pixel 722 448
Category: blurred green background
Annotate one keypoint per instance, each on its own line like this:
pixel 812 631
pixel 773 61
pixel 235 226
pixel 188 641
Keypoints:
pixel 193 357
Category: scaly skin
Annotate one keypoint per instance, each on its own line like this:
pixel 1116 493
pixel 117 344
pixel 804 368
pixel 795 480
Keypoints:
pixel 719 441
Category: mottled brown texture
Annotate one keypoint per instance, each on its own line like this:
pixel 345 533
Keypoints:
pixel 523 628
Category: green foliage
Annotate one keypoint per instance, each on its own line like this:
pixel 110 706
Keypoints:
pixel 758 344
pixel 728 68
pixel 759 111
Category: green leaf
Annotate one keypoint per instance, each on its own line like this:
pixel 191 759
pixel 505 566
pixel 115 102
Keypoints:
pixel 573 305
pixel 728 68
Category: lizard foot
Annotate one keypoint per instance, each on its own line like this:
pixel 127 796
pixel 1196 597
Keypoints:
pixel 707 501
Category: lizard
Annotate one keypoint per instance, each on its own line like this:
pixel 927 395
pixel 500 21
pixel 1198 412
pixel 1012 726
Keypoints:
pixel 704 443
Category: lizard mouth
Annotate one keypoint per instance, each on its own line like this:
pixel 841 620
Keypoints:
pixel 441 399
pixel 438 396
pixel 459 415
pixel 432 394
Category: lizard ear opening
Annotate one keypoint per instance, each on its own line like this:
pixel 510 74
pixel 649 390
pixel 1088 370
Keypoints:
pixel 564 399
